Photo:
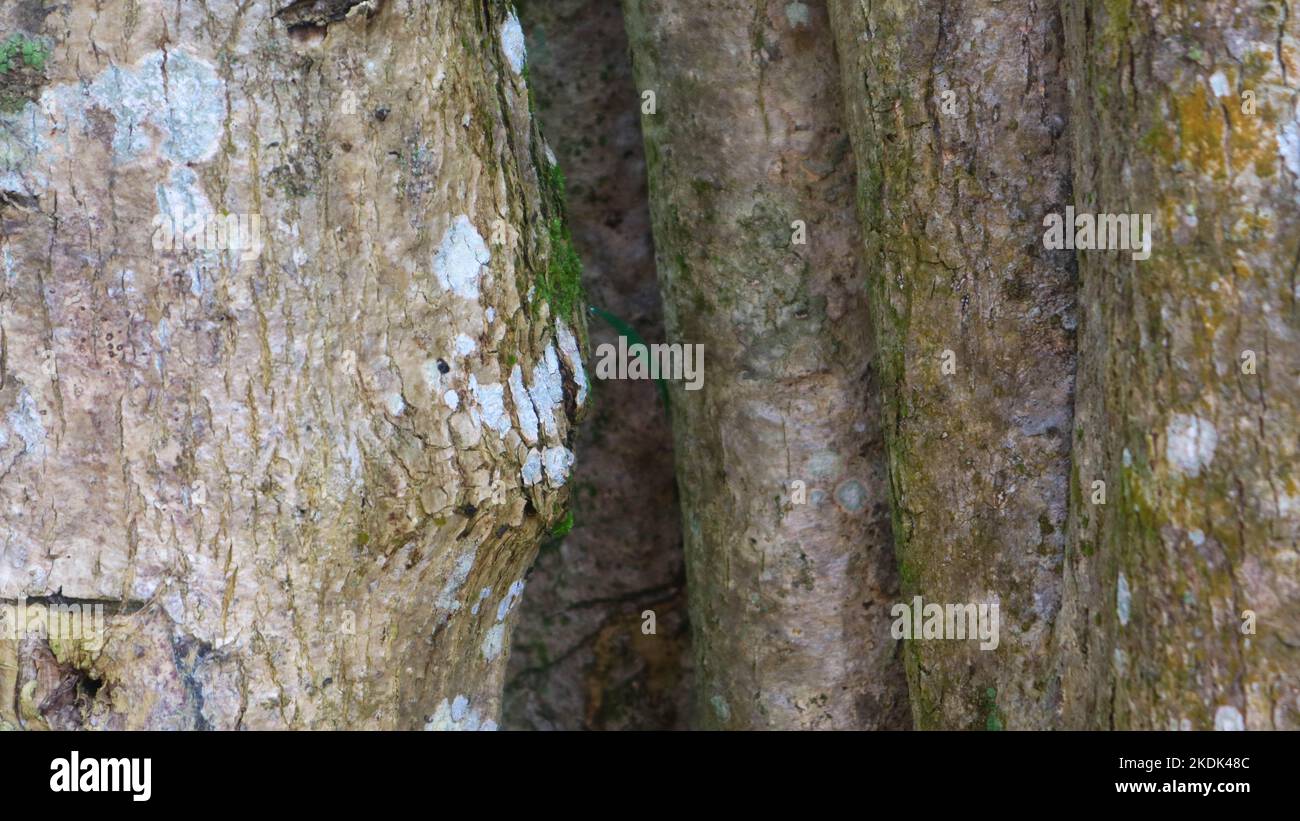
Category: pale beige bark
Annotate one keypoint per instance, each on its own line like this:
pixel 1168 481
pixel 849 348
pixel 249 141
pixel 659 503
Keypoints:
pixel 789 601
pixel 302 483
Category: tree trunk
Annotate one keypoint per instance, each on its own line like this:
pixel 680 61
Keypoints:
pixel 1189 378
pixel 756 243
pixel 955 112
pixel 306 484
pixel 583 658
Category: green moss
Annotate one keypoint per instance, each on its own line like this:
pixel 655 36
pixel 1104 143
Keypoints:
pixel 19 51
pixel 561 285
pixel 909 577
pixel 993 716
pixel 553 187
pixel 1160 143
pixel 552 539
pixel 22 67
pixel 564 526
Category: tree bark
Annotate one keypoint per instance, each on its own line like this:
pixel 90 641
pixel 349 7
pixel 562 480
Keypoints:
pixel 583 658
pixel 1186 113
pixel 788 600
pixel 306 485
pixel 955 111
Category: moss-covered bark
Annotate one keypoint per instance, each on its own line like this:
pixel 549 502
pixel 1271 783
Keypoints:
pixel 788 598
pixel 956 110
pixel 1189 379
pixel 304 484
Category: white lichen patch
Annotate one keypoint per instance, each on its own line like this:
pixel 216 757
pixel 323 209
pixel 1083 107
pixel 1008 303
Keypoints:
pixel 798 14
pixel 1219 84
pixel 458 263
pixel 1288 147
pixel 822 464
pixel 547 390
pixel 1120 658
pixel 458 715
pixel 482 594
pixel 1189 443
pixel 1123 600
pixel 452 399
pixel 493 642
pixel 1288 506
pixel 172 104
pixel 1228 717
pixel 491 402
pixel 465 345
pixel 558 461
pixel 523 406
pixel 25 421
pixel 175 94
pixel 510 600
pixel 446 600
pixel 181 199
pixel 531 473
pixel 573 356
pixel 512 43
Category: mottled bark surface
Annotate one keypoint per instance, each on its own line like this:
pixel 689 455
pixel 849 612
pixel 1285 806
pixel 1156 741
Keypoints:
pixel 955 111
pixel 789 601
pixel 306 484
pixel 580 658
pixel 1199 457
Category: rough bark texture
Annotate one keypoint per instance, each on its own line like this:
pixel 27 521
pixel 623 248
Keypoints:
pixel 1202 514
pixel 580 658
pixel 306 485
pixel 789 602
pixel 953 189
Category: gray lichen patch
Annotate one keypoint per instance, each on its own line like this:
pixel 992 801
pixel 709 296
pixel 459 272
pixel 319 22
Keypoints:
pixel 169 103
